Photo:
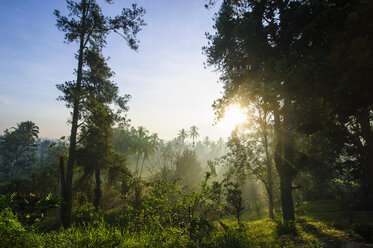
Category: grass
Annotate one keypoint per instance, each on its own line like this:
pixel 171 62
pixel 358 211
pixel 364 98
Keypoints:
pixel 326 221
pixel 318 223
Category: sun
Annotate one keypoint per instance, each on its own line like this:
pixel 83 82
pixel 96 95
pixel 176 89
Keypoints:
pixel 234 115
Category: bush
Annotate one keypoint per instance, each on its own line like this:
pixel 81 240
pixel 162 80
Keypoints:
pixel 232 238
pixel 199 229
pixel 11 230
pixel 83 211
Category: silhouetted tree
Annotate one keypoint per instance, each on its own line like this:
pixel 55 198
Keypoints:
pixel 87 26
pixel 182 135
pixel 193 133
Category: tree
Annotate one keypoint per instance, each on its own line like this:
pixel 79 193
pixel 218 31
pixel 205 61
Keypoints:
pixel 43 148
pixel 188 168
pixel 149 147
pixel 17 147
pixel 256 47
pixel 343 79
pixel 193 133
pixel 142 145
pixel 98 118
pixel 87 26
pixel 251 149
pixel 234 199
pixel 207 142
pixel 182 135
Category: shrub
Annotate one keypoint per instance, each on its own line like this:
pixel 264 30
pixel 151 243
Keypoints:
pixel 83 211
pixel 199 229
pixel 11 230
pixel 232 238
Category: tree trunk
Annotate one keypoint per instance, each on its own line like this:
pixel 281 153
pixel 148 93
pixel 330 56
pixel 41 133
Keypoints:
pixel 367 134
pixel 287 198
pixel 288 170
pixel 137 163
pixel 269 169
pixel 97 189
pixel 142 165
pixel 270 202
pixel 66 208
pixel 63 186
pixel 283 158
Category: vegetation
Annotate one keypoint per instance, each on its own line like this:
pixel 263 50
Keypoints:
pixel 296 173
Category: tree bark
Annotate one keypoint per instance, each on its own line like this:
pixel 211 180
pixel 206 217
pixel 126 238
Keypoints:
pixel 269 168
pixel 67 206
pixel 97 189
pixel 62 189
pixel 287 198
pixel 288 170
pixel 367 134
pixel 283 157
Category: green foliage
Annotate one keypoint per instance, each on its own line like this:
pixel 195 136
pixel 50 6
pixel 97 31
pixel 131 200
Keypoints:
pixel 30 207
pixel 234 199
pixel 232 237
pixel 200 229
pixel 188 168
pixel 160 206
pixel 11 231
pixel 17 147
pixel 83 211
pixel 285 228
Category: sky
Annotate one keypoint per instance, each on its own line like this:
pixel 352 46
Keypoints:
pixel 166 78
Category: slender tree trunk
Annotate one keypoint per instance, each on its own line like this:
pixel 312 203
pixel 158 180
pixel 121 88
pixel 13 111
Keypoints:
pixel 62 188
pixel 269 168
pixel 288 171
pixel 137 163
pixel 367 180
pixel 66 208
pixel 270 205
pixel 142 165
pixel 97 189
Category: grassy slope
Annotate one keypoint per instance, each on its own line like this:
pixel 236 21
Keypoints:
pixel 323 221
pixel 318 223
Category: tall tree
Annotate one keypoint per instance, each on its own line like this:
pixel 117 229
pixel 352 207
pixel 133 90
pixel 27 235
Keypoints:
pixel 251 148
pixel 193 133
pixel 257 46
pixel 142 144
pixel 182 135
pixel 87 26
pixel 98 118
pixel 342 69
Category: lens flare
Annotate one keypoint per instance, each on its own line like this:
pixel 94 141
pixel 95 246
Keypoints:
pixel 233 116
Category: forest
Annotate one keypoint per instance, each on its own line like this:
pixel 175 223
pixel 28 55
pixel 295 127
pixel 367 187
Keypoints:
pixel 296 172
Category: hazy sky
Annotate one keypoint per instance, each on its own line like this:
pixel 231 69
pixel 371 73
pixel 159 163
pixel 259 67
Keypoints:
pixel 169 86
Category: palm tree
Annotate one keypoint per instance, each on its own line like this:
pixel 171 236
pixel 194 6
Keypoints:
pixel 141 134
pixel 18 145
pixel 28 130
pixel 150 144
pixel 193 133
pixel 182 135
pixel 206 142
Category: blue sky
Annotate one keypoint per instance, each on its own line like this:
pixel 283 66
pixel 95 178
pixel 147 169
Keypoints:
pixel 169 86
